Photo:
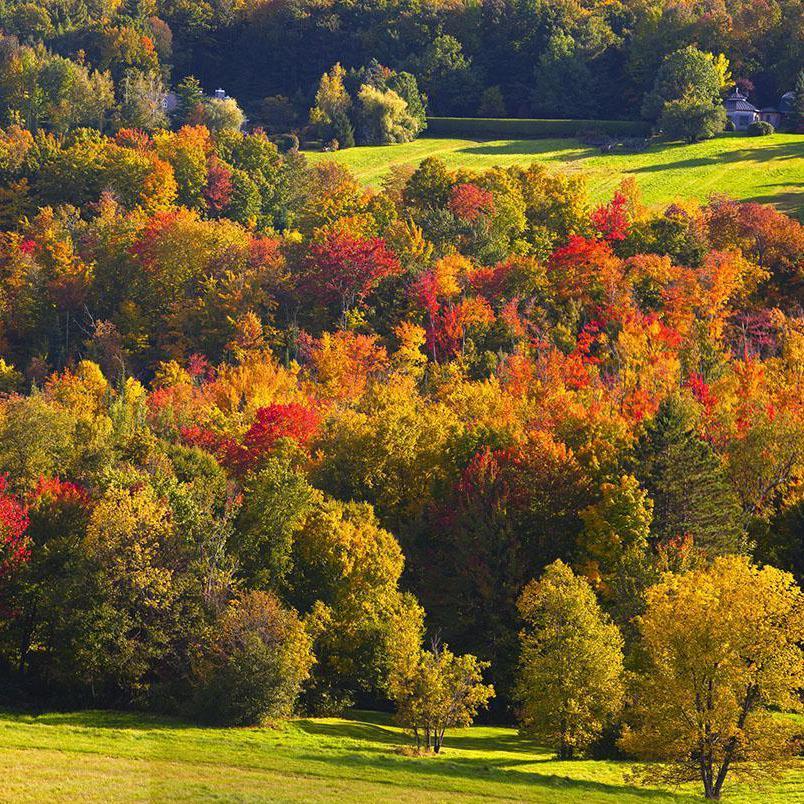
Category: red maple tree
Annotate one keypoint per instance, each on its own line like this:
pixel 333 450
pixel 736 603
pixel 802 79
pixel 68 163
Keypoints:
pixel 14 544
pixel 346 269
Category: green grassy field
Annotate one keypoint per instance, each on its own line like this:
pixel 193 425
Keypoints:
pixel 766 169
pixel 107 756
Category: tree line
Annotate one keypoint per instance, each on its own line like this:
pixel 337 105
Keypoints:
pixel 494 59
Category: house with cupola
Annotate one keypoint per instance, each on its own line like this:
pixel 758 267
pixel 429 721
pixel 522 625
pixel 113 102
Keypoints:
pixel 740 111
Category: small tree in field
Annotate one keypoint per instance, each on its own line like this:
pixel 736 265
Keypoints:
pixel 571 671
pixel 692 118
pixel 438 690
pixel 724 645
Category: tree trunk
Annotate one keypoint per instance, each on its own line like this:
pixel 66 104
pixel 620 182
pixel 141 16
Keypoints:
pixel 751 694
pixel 711 792
pixel 26 638
pixel 706 778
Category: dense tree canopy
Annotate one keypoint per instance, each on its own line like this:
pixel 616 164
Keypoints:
pixel 112 63
pixel 266 432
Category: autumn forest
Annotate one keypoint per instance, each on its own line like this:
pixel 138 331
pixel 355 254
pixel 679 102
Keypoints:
pixel 460 445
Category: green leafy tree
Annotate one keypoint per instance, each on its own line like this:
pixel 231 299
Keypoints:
pixel 564 80
pixel 48 592
pixel 429 185
pixel 798 102
pixel 223 113
pixel 189 101
pixel 687 72
pixel 492 103
pixel 384 117
pixel 330 115
pixel 141 611
pixel 778 541
pixel 570 678
pixel 278 114
pixel 405 85
pixel 36 439
pixel 275 502
pixel 614 546
pixel 692 118
pixel 253 669
pixel 445 73
pixel 345 578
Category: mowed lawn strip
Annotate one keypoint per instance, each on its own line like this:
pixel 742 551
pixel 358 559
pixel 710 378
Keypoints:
pixel 105 756
pixel 765 169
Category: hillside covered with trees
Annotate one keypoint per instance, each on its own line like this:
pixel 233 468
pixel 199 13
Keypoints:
pixel 272 442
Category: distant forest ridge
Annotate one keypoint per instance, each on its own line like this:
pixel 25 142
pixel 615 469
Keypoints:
pixel 494 58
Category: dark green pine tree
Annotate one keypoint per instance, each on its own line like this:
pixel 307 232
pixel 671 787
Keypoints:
pixel 685 479
pixel 798 102
pixel 189 100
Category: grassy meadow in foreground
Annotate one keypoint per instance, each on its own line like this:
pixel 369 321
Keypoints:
pixel 765 169
pixel 107 756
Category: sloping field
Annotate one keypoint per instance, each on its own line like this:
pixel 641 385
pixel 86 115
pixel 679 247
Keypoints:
pixel 765 169
pixel 112 757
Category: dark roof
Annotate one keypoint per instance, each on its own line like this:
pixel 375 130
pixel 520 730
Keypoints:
pixel 787 102
pixel 737 102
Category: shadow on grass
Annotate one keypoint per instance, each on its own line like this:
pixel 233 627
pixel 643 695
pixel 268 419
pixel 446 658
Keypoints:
pixel 353 730
pixel 515 773
pixel 366 725
pixel 791 204
pixel 502 773
pixel 509 743
pixel 762 153
pixel 102 719
pixel 374 758
pixel 533 147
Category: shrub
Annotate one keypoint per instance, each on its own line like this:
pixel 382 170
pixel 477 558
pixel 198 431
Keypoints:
pixel 255 665
pixel 635 145
pixel 730 126
pixel 287 142
pixel 530 127
pixel 760 128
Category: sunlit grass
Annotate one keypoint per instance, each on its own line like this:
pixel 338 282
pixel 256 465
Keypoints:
pixel 766 169
pixel 103 756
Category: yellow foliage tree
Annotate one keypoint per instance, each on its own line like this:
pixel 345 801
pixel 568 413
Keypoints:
pixel 724 644
pixel 437 691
